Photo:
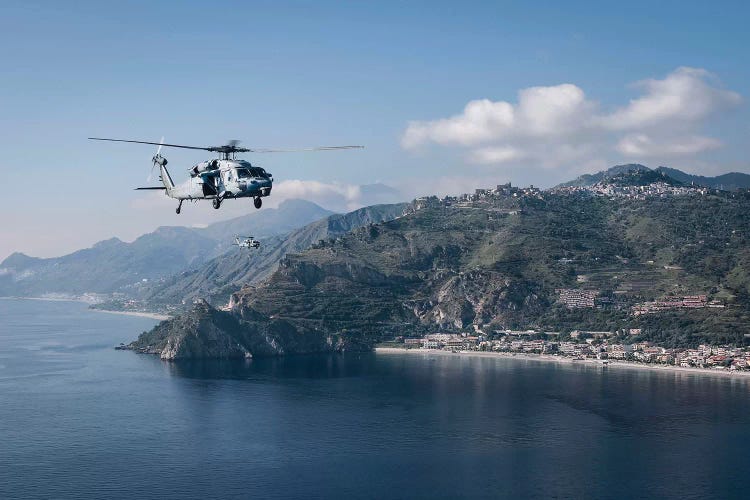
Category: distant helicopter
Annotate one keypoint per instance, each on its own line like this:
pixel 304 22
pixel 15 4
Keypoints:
pixel 246 242
pixel 219 178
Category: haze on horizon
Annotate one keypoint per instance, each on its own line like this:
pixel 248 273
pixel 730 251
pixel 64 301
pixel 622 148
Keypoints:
pixel 445 98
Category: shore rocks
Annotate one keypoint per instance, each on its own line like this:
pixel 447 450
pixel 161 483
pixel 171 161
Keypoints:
pixel 207 333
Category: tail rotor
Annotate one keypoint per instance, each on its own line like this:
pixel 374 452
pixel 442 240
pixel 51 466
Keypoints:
pixel 157 160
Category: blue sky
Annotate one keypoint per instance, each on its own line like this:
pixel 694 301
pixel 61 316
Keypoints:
pixel 394 76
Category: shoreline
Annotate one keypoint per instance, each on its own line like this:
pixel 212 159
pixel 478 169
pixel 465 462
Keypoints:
pixel 142 314
pixel 157 316
pixel 544 358
pixel 50 299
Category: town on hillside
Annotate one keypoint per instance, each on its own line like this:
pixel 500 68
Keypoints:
pixel 485 196
pixel 627 288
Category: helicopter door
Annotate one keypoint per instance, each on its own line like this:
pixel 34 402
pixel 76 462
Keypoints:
pixel 208 189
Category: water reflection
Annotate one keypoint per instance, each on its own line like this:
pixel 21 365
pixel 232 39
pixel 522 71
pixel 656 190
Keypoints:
pixel 316 366
pixel 112 424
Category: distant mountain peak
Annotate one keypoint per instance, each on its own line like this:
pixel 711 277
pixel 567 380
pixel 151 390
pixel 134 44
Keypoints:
pixel 591 179
pixel 626 167
pixel 111 242
pixel 18 260
pixel 727 182
pixel 297 203
pixel 638 177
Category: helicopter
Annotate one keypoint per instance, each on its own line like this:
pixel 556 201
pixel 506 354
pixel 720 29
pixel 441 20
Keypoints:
pixel 218 179
pixel 246 242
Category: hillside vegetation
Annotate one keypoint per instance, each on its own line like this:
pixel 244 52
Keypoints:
pixel 501 262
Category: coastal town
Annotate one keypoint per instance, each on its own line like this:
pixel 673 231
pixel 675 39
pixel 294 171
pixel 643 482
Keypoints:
pixel 585 346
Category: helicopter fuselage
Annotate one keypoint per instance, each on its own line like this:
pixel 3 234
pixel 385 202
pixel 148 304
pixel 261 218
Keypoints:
pixel 223 179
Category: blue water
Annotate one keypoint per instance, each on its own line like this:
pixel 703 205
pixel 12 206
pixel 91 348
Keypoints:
pixel 81 420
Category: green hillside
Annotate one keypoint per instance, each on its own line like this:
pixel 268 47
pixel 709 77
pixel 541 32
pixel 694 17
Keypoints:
pixel 505 262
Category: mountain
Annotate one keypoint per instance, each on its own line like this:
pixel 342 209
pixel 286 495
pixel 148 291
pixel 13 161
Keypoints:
pixel 115 266
pixel 641 178
pixel 290 215
pixel 504 262
pixel 217 278
pixel 591 179
pixel 726 182
pixel 379 194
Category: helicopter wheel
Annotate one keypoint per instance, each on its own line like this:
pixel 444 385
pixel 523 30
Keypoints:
pixel 257 202
pixel 179 207
pixel 217 203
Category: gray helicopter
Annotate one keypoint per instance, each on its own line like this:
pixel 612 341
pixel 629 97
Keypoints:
pixel 219 178
pixel 246 242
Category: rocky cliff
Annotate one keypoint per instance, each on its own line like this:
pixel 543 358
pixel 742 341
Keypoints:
pixel 207 333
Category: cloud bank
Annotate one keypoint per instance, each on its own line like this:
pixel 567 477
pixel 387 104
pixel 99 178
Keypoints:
pixel 559 125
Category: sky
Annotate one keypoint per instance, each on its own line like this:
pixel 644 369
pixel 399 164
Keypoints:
pixel 445 97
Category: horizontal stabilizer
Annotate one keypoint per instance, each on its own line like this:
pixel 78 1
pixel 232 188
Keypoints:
pixel 155 187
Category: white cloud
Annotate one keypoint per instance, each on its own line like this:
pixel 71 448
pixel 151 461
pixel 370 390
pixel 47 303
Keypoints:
pixel 642 145
pixel 558 126
pixel 500 154
pixel 553 111
pixel 334 196
pixel 541 111
pixel 481 120
pixel 685 95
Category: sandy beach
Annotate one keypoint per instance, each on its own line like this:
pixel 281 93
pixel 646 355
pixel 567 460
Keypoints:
pixel 545 358
pixel 160 317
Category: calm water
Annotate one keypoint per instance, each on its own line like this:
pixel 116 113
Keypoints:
pixel 81 420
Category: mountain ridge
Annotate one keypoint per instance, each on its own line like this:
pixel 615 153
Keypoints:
pixel 218 277
pixel 113 265
pixel 731 181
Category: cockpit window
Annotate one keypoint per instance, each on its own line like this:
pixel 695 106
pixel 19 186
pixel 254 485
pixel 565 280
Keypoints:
pixel 251 172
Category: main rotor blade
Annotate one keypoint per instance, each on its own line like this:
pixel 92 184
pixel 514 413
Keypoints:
pixel 319 148
pixel 231 147
pixel 154 143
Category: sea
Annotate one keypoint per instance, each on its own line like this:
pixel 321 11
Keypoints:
pixel 81 420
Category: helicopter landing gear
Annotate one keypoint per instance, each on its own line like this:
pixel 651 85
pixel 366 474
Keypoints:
pixel 217 203
pixel 179 207
pixel 257 202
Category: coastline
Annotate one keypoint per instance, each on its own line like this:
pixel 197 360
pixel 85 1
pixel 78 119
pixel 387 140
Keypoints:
pixel 50 299
pixel 157 316
pixel 545 358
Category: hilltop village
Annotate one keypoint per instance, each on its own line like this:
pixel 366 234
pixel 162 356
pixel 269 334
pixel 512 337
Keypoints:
pixel 610 189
